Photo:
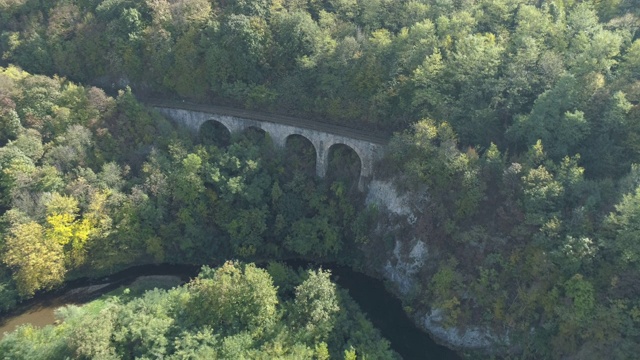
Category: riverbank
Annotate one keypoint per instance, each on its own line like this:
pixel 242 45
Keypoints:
pixel 381 307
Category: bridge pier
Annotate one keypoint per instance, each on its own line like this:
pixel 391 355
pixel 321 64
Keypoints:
pixel 280 129
pixel 366 171
pixel 279 140
pixel 322 159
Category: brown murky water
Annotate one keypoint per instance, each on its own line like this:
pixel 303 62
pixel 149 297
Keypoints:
pixel 42 313
pixel 38 316
pixel 383 309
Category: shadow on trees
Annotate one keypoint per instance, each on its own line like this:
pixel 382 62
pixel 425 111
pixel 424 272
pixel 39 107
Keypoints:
pixel 214 133
pixel 344 166
pixel 300 156
pixel 254 136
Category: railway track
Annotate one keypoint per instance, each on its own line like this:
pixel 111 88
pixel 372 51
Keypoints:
pixel 359 134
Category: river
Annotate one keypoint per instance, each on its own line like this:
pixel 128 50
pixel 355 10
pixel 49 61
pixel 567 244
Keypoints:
pixel 383 309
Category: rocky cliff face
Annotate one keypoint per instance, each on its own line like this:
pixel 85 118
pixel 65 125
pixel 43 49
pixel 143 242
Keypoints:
pixel 410 256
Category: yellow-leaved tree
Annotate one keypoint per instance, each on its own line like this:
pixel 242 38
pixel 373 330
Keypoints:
pixel 37 261
pixel 65 228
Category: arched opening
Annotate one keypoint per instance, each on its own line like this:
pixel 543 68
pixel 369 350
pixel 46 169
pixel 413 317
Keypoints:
pixel 300 155
pixel 215 133
pixel 344 164
pixel 255 136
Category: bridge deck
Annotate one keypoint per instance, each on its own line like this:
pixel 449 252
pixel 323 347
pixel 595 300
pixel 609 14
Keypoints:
pixel 273 118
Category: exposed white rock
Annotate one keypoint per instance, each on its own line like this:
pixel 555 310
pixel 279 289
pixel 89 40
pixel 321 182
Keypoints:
pixel 402 268
pixel 469 338
pixel 408 258
pixel 383 193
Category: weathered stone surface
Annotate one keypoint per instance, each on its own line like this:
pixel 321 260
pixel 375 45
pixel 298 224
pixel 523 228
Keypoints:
pixel 409 258
pixel 473 337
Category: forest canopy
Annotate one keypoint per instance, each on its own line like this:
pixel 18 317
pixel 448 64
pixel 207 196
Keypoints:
pixel 93 183
pixel 509 72
pixel 232 312
pixel 516 124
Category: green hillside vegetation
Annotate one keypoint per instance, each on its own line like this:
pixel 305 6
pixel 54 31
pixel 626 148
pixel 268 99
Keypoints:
pixel 519 121
pixel 233 312
pixel 503 71
pixel 92 183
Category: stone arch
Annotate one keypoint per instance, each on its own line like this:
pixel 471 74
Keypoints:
pixel 303 138
pixel 368 150
pixel 212 131
pixel 345 149
pixel 306 153
pixel 255 132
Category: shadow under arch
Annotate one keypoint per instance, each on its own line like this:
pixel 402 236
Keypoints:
pixel 213 132
pixel 300 155
pixel 255 135
pixel 344 164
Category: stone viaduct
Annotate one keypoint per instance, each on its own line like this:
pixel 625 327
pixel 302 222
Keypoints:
pixel 368 147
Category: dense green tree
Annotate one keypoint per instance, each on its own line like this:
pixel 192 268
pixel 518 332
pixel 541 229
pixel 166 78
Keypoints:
pixel 555 120
pixel 624 223
pixel 159 322
pixel 315 306
pixel 9 121
pixel 234 298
